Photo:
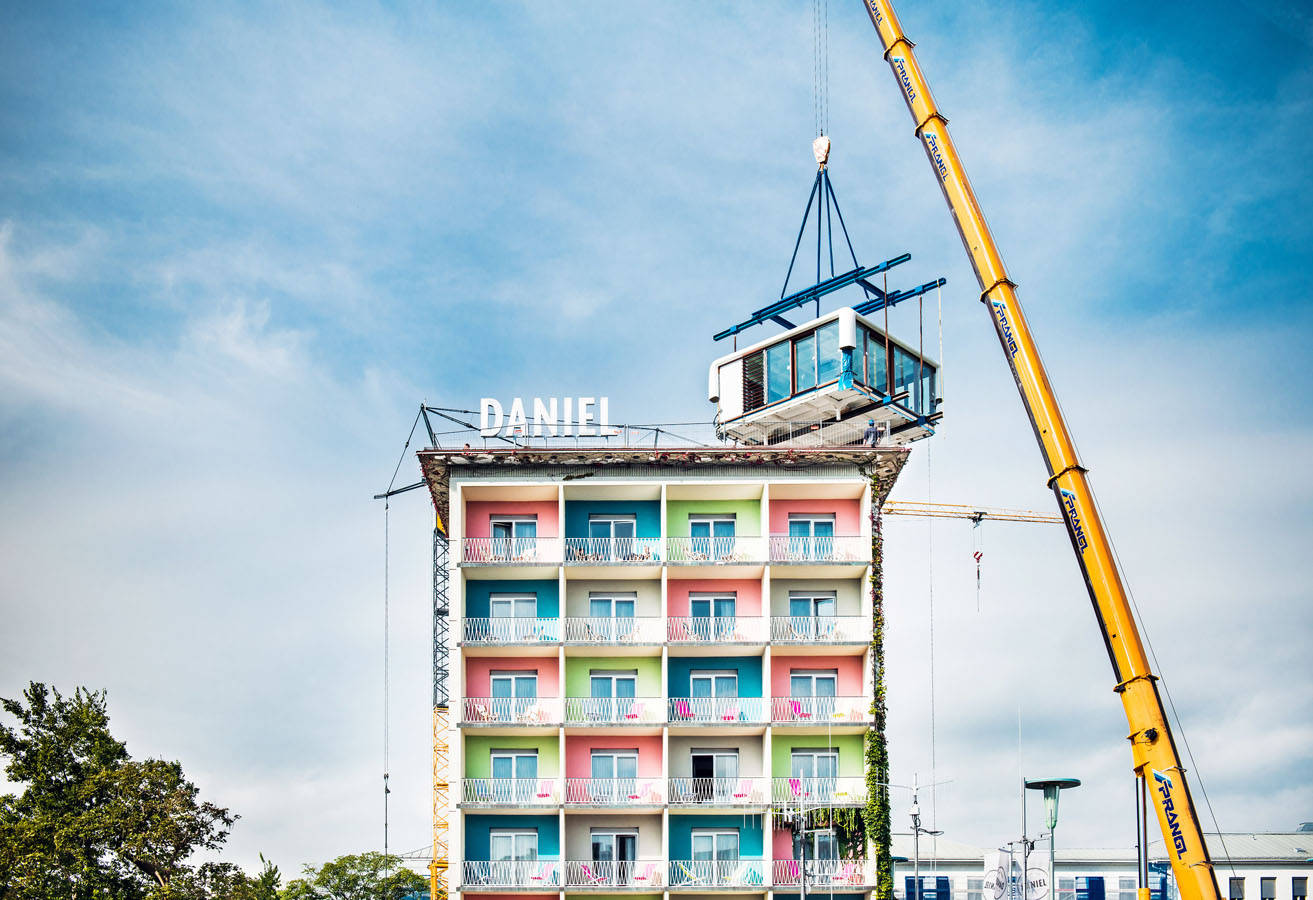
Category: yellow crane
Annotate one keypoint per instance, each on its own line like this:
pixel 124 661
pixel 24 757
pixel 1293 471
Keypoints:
pixel 1154 756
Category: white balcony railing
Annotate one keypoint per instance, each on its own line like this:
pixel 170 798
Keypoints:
pixel 507 630
pixel 614 711
pixel 613 630
pixel 702 551
pixel 614 792
pixel 824 873
pixel 613 551
pixel 512 873
pixel 820 710
pixel 717 710
pixel 841 790
pixel 719 791
pixel 844 548
pixel 700 874
pixel 512 711
pixel 820 629
pixel 615 874
pixel 510 792
pixel 511 551
pixel 715 630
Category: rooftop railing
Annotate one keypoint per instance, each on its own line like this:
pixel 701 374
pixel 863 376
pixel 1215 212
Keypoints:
pixel 505 630
pixel 613 630
pixel 786 549
pixel 532 874
pixel 715 630
pixel 612 551
pixel 839 790
pixel 512 711
pixel 510 792
pixel 715 551
pixel 614 792
pixel 717 710
pixel 719 792
pixel 751 433
pixel 820 629
pixel 615 874
pixel 525 551
pixel 820 710
pixel 614 711
pixel 704 874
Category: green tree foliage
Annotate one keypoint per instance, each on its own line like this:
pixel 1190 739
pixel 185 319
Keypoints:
pixel 93 824
pixel 364 876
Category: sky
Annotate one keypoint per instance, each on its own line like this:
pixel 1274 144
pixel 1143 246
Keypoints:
pixel 240 244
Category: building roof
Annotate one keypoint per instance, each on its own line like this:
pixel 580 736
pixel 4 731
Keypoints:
pixel 1284 848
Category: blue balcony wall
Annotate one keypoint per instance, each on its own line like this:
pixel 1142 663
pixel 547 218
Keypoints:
pixel 478 844
pixel 646 513
pixel 751 838
pixel 476 596
pixel 748 667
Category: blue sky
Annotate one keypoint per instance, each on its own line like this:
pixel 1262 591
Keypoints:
pixel 238 244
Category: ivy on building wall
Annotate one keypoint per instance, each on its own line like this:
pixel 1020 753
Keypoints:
pixel 876 811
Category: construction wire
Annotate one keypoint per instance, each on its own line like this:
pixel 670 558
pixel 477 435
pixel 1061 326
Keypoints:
pixel 930 567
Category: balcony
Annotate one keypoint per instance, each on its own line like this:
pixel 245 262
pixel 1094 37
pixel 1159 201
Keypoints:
pixel 503 551
pixel 711 551
pixel 614 792
pixel 845 790
pixel 719 792
pixel 820 711
pixel 786 549
pixel 614 711
pixel 517 792
pixel 611 875
pixel 715 630
pixel 707 874
pixel 506 630
pixel 820 630
pixel 512 711
pixel 717 710
pixel 521 874
pixel 618 551
pixel 613 630
pixel 824 873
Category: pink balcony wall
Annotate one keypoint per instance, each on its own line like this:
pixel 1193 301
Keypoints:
pixel 478 669
pixel 850 683
pixel 748 594
pixel 578 753
pixel 478 514
pixel 847 514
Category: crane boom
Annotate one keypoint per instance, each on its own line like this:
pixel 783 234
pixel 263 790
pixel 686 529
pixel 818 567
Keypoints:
pixel 1153 750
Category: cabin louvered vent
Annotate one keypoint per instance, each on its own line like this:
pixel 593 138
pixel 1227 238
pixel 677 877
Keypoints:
pixel 754 381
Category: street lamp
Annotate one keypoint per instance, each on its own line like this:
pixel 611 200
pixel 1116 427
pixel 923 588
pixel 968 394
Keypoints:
pixel 917 831
pixel 1051 788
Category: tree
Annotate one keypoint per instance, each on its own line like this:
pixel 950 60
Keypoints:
pixel 365 876
pixel 92 823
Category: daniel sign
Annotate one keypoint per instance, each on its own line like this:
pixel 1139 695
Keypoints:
pixel 551 417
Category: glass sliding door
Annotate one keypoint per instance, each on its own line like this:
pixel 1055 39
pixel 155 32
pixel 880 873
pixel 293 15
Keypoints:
pixel 811 537
pixel 611 537
pixel 611 616
pixel 514 776
pixel 514 617
pixel 713 617
pixel 514 537
pixel 712 537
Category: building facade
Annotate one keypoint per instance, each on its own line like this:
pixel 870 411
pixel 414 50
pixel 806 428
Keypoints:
pixel 660 669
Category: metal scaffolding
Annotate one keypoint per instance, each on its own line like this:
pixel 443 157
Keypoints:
pixel 441 714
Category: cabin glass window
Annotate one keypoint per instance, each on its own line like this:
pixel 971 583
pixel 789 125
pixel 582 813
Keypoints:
pixel 779 380
pixel 827 353
pixel 804 351
pixel 877 375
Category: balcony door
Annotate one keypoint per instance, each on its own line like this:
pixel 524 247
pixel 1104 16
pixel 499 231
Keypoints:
pixel 514 852
pixel 811 614
pixel 513 617
pixel 713 695
pixel 811 536
pixel 815 771
pixel 615 776
pixel 514 775
pixel 822 857
pixel 513 537
pixel 712 536
pixel 611 537
pixel 715 854
pixel 815 691
pixel 712 616
pixel 514 694
pixel 614 855
pixel 715 774
pixel 611 616
pixel 612 694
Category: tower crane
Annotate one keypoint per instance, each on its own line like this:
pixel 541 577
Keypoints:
pixel 1154 756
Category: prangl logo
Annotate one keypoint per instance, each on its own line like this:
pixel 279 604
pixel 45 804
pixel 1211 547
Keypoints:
pixel 900 66
pixel 1164 789
pixel 876 15
pixel 936 155
pixel 1077 526
pixel 1005 325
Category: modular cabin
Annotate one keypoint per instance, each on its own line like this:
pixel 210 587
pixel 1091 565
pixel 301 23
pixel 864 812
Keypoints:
pixel 820 383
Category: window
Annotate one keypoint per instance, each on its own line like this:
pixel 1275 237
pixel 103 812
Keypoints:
pixel 791 367
pixel 822 853
pixel 813 771
pixel 1237 889
pixel 1126 888
pixel 513 853
pixel 975 889
pixel 811 536
pixel 779 381
pixel 515 775
pixel 1066 888
pixel 1299 888
pixel 1267 888
pixel 611 536
pixel 711 844
pixel 514 694
pixel 712 536
pixel 811 614
pixel 514 617
pixel 614 852
pixel 611 616
pixel 875 369
pixel 815 691
pixel 713 616
pixel 804 351
pixel 827 353
pixel 614 774
pixel 715 773
pixel 513 537
pixel 714 684
pixel 613 694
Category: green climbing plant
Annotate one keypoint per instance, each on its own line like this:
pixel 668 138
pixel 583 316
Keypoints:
pixel 876 811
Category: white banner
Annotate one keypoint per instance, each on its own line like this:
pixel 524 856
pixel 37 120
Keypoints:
pixel 1003 876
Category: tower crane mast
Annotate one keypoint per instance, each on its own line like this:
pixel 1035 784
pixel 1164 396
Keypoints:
pixel 1155 759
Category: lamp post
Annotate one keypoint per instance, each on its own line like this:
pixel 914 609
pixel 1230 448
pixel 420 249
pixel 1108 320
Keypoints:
pixel 917 831
pixel 1051 787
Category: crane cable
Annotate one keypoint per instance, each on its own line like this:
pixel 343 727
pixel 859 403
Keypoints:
pixel 821 65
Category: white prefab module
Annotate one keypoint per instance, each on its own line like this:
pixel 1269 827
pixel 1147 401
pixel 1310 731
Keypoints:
pixel 821 383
